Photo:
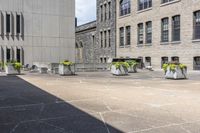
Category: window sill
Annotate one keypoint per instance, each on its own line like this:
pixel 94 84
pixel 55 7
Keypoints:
pixel 176 42
pixel 140 45
pixel 144 10
pixel 121 46
pixel 168 3
pixel 164 43
pixel 148 44
pixel 195 40
pixel 127 46
pixel 127 15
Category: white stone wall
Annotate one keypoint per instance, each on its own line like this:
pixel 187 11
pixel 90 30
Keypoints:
pixel 186 49
pixel 49 29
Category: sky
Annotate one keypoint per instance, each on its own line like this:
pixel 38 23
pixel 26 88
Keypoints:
pixel 85 11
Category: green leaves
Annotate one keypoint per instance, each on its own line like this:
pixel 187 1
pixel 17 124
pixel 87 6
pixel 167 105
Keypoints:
pixel 121 64
pixel 67 63
pixel 173 66
pixel 17 65
pixel 132 63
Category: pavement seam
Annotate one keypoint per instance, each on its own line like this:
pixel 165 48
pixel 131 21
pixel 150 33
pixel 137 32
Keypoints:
pixel 104 123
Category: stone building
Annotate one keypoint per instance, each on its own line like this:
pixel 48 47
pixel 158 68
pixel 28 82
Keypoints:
pixel 159 31
pixel 106 30
pixel 96 41
pixel 85 43
pixel 37 30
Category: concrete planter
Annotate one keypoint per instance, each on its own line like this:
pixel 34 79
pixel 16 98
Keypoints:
pixel 119 72
pixel 66 70
pixel 43 70
pixel 177 74
pixel 10 70
pixel 132 69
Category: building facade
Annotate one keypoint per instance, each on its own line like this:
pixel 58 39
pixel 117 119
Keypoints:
pixel 159 31
pixel 37 30
pixel 105 48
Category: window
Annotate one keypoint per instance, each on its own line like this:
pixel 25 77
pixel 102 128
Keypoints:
pixel 149 32
pixel 8 54
pixel 197 63
pixel 101 60
pixel 109 39
pixel 165 30
pixel 101 10
pixel 8 23
pixel 109 10
pixel 105 39
pixel 164 60
pixel 125 7
pixel 18 24
pixel 101 38
pixel 175 59
pixel 165 1
pixel 147 61
pixel 105 60
pixel 121 36
pixel 144 4
pixel 105 12
pixel 18 55
pixel 128 35
pixel 140 33
pixel 176 28
pixel 196 29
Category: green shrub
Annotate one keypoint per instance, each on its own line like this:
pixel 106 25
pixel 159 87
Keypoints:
pixel 132 63
pixel 119 64
pixel 17 65
pixel 173 66
pixel 67 63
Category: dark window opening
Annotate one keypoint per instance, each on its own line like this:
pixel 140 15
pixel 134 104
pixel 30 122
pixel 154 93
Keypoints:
pixel 128 35
pixel 18 55
pixel 147 61
pixel 165 30
pixel 8 23
pixel 144 4
pixel 149 32
pixel 121 36
pixel 8 56
pixel 196 29
pixel 140 33
pixel 175 59
pixel 197 63
pixel 125 7
pixel 176 28
pixel 18 24
pixel 164 60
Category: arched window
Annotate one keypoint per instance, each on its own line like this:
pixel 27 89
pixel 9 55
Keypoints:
pixel 125 7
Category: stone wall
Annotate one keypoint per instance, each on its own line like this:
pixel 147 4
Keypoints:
pixel 185 49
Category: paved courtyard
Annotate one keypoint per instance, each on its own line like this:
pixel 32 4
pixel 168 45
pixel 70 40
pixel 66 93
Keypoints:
pixel 98 102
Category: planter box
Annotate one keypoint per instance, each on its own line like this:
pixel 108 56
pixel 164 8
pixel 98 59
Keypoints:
pixel 10 70
pixel 177 74
pixel 43 70
pixel 119 72
pixel 66 70
pixel 132 69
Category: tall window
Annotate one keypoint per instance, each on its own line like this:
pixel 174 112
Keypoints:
pixel 109 39
pixel 105 39
pixel 165 30
pixel 18 24
pixel 125 7
pixel 165 1
pixel 140 33
pixel 8 54
pixel 101 38
pixel 144 4
pixel 8 23
pixel 121 34
pixel 149 32
pixel 101 10
pixel 197 63
pixel 109 10
pixel 105 12
pixel 176 28
pixel 128 35
pixel 196 34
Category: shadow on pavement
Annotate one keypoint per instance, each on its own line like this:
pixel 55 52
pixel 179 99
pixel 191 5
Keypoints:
pixel 25 108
